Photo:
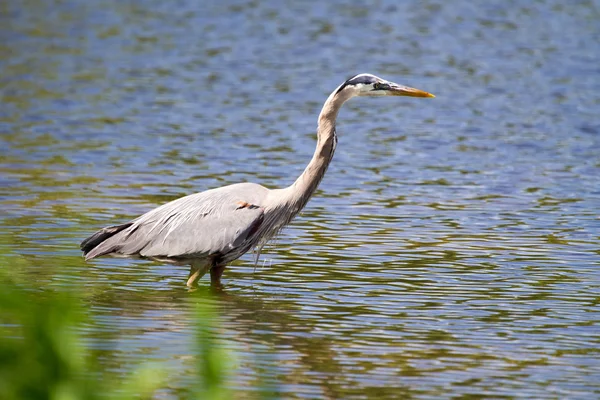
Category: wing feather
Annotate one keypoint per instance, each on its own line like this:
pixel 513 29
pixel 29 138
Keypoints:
pixel 207 223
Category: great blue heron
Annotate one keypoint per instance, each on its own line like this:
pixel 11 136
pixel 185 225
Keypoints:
pixel 210 229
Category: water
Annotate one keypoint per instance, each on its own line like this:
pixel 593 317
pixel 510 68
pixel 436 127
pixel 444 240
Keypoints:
pixel 452 250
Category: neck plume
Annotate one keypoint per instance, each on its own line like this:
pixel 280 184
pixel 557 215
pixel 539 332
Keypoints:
pixel 303 188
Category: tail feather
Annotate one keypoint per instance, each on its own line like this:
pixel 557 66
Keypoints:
pixel 90 245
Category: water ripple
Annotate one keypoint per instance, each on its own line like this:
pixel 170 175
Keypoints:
pixel 451 251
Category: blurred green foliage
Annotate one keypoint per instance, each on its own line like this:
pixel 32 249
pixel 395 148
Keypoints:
pixel 43 355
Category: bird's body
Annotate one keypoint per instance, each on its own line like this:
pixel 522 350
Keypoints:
pixel 210 229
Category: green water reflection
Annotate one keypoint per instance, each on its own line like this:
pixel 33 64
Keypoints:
pixel 452 250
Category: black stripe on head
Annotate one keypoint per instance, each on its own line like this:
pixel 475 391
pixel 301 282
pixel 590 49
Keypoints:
pixel 357 79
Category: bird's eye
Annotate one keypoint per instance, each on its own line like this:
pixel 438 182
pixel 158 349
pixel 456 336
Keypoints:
pixel 376 86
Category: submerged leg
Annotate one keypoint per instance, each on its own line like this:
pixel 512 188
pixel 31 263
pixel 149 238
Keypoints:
pixel 215 275
pixel 197 271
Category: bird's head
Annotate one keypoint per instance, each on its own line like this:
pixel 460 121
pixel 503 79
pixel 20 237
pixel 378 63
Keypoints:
pixel 371 85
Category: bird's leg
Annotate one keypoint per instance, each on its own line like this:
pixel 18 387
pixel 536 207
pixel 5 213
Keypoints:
pixel 215 275
pixel 197 271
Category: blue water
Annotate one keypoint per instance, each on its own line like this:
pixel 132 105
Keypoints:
pixel 452 250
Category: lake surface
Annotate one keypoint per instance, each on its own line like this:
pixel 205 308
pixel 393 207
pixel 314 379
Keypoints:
pixel 452 250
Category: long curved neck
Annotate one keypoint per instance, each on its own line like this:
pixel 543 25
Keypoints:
pixel 303 188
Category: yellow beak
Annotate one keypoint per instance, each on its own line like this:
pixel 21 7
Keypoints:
pixel 399 90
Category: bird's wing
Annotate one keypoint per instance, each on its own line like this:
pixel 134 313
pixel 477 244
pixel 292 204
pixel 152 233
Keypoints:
pixel 187 234
pixel 208 223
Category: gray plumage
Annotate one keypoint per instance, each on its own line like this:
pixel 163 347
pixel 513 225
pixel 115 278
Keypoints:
pixel 210 229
